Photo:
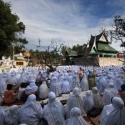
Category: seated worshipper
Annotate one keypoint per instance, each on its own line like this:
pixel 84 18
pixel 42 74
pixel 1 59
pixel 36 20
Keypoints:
pixel 91 80
pixel 109 93
pixel 107 109
pixel 21 90
pixel 31 112
pixel 54 111
pixel 74 100
pixel 55 86
pixel 38 77
pixel 2 116
pixel 12 80
pixel 117 115
pixel 65 86
pixel 84 83
pixel 96 97
pixel 3 86
pixel 43 91
pixel 31 88
pixel 75 118
pixel 88 101
pixel 75 82
pixel 118 81
pixel 12 116
pixel 9 95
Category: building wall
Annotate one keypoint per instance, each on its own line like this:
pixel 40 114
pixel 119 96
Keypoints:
pixel 108 61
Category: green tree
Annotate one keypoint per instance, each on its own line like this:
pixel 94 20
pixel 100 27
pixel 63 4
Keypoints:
pixel 11 30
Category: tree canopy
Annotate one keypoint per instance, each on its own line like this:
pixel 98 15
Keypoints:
pixel 11 30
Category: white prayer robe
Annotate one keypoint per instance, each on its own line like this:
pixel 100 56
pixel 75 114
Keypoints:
pixel 43 91
pixel 88 101
pixel 2 116
pixel 75 118
pixel 75 100
pixel 53 112
pixel 105 112
pixel 31 112
pixel 117 116
pixel 3 86
pixel 109 93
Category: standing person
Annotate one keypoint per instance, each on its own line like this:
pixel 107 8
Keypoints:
pixel 91 80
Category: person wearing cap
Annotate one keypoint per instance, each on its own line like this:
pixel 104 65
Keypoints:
pixel 75 118
pixel 31 112
pixel 54 111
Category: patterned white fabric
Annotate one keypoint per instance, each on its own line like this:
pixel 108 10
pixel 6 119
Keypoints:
pixel 117 116
pixel 31 112
pixel 2 116
pixel 75 118
pixel 105 112
pixel 75 100
pixel 53 112
pixel 88 101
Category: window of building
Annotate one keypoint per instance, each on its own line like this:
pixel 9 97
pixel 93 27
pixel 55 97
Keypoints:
pixel 19 63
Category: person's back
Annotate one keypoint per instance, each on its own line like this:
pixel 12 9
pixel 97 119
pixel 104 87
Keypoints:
pixel 54 112
pixel 31 112
pixel 117 116
pixel 75 118
pixel 2 116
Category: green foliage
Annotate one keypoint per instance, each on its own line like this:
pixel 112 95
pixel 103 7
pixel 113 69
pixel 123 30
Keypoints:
pixel 10 29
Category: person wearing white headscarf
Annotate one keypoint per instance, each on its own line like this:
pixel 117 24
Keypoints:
pixel 70 79
pixel 84 83
pixel 43 90
pixel 12 116
pixel 55 86
pixel 118 81
pixel 88 101
pixel 117 116
pixel 75 118
pixel 3 86
pixel 65 86
pixel 31 88
pixel 109 93
pixel 53 112
pixel 12 80
pixel 31 112
pixel 105 112
pixel 74 100
pixel 96 97
pixel 2 116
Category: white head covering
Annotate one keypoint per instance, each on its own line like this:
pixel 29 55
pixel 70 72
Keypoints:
pixel 2 115
pixel 12 116
pixel 75 118
pixel 107 109
pixel 109 93
pixel 117 116
pixel 53 111
pixel 88 101
pixel 75 100
pixel 31 112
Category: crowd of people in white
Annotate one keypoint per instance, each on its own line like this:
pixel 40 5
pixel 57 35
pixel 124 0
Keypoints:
pixel 104 89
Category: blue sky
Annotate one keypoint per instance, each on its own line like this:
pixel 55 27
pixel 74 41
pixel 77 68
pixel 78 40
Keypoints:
pixel 69 21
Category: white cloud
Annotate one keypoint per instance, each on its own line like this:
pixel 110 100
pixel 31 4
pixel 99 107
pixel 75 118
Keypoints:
pixel 65 20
